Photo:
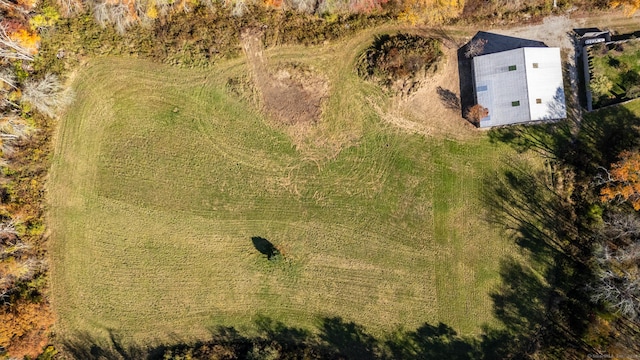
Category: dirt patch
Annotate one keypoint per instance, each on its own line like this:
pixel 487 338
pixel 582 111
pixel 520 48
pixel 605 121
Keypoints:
pixel 434 108
pixel 292 94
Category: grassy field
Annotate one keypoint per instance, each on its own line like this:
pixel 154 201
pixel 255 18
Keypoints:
pixel 161 177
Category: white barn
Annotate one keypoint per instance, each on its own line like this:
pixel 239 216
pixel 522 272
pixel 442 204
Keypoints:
pixel 520 85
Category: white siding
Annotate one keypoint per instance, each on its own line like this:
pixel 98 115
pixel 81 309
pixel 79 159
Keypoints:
pixel 545 83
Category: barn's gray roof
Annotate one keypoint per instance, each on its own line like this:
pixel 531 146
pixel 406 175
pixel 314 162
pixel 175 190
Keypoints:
pixel 520 85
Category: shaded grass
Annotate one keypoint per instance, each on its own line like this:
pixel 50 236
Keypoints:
pixel 161 178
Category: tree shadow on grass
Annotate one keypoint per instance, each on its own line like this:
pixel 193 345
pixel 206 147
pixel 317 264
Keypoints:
pixel 335 338
pixel 84 346
pixel 586 144
pixel 544 302
pixel 433 342
pixel 541 301
pixel 265 247
pixel 349 339
pixel 604 134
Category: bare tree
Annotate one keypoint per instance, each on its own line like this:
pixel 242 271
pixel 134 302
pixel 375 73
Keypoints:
pixel 70 7
pixel 7 228
pixel 12 130
pixel 618 282
pixel 164 6
pixel 8 83
pixel 11 49
pixel 48 95
pixel 475 47
pixel 307 6
pixel 8 77
pixel 239 8
pixel 14 250
pixel 621 228
pixel 118 14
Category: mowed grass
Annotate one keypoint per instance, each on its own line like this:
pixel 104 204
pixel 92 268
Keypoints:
pixel 161 177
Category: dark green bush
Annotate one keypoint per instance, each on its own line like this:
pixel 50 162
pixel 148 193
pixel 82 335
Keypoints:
pixel 403 59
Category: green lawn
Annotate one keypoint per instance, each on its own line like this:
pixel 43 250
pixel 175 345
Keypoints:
pixel 161 177
pixel 620 66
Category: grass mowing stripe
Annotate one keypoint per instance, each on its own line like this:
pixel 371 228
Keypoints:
pixel 161 178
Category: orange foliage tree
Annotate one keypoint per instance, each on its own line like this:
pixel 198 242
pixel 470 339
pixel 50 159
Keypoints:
pixel 623 180
pixel 28 39
pixel 476 113
pixel 273 3
pixel 630 6
pixel 24 327
pixel 23 37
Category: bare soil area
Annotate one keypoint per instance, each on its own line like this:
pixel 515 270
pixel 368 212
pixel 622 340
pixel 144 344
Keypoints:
pixel 290 93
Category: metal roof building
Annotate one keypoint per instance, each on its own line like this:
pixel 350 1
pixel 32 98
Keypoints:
pixel 520 85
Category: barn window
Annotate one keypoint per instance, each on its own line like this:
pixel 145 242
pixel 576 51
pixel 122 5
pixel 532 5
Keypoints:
pixel 538 101
pixel 535 65
pixel 512 68
pixel 515 103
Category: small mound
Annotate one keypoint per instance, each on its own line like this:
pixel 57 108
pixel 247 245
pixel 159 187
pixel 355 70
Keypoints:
pixel 295 94
pixel 399 63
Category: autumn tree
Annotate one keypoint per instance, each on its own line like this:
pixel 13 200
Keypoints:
pixel 12 47
pixel 23 328
pixel 476 113
pixel 622 181
pixel 48 17
pixel 629 6
pixel 430 11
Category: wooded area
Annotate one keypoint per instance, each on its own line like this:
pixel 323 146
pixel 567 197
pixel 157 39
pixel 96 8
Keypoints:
pixel 42 42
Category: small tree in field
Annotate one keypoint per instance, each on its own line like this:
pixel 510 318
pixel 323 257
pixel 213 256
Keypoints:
pixel 476 113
